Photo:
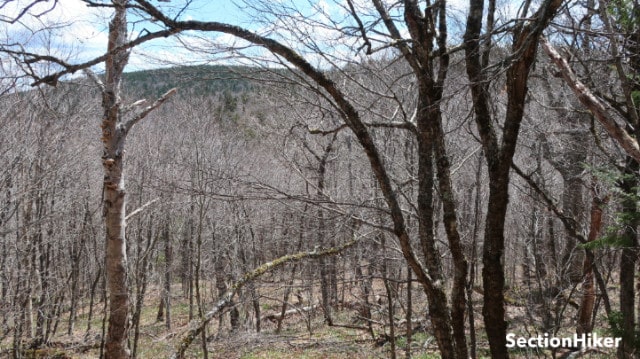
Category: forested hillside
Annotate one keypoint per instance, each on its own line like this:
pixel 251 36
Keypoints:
pixel 199 80
pixel 372 179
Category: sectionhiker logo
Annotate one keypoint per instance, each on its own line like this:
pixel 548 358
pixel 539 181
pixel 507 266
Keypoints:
pixel 591 340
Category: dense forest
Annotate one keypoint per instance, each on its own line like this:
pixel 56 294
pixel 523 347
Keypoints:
pixel 367 179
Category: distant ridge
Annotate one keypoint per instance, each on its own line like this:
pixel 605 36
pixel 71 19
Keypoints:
pixel 191 80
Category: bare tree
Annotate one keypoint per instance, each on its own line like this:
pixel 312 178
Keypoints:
pixel 498 151
pixel 239 191
pixel 116 125
pixel 619 114
pixel 448 321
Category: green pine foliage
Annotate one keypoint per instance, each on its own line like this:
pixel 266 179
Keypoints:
pixel 626 14
pixel 614 235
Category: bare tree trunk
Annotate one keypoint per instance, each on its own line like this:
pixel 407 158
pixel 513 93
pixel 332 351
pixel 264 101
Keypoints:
pixel 105 315
pixel 474 260
pixel 294 269
pixel 113 191
pixel 92 296
pixel 628 260
pixel 324 291
pixel 460 267
pixel 367 290
pixel 221 282
pixel 160 313
pixel 499 155
pixel 325 271
pixel 409 315
pixel 585 325
pixel 40 260
pixel 4 218
pixel 185 260
pixel 188 261
pixel 251 287
pixel 434 287
pixel 24 319
pixel 164 311
pixel 384 271
pixel 201 212
pixel 114 132
pixel 18 327
pixel 76 257
pixel 143 267
pixel 52 323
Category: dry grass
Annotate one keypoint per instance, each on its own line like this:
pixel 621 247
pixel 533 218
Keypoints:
pixel 304 335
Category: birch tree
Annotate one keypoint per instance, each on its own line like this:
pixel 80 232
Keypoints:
pixel 117 121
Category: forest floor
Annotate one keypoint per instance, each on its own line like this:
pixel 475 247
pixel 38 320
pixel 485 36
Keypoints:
pixel 304 335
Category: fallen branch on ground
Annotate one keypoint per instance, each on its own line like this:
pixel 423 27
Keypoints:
pixel 225 300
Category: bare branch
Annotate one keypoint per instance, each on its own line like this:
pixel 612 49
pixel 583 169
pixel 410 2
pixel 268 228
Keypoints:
pixel 569 223
pixel 140 209
pixel 129 124
pixel 593 103
pixel 363 31
pixel 53 78
pixel 315 131
pixel 395 34
pixel 397 125
pixel 25 10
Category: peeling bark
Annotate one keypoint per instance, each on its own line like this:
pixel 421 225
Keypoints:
pixel 113 138
pixel 593 103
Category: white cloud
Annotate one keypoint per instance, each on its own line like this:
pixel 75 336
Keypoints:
pixel 80 32
pixel 69 30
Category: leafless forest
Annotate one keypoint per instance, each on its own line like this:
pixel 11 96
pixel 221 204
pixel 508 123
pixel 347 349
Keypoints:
pixel 335 179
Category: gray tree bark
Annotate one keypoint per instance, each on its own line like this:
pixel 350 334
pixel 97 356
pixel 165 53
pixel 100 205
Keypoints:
pixel 114 133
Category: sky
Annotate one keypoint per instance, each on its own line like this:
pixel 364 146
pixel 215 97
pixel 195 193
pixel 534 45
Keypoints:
pixel 80 32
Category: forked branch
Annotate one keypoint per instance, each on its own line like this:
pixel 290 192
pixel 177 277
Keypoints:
pixel 129 124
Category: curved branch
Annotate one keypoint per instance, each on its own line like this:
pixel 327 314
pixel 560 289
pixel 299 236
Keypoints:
pixel 52 79
pixel 348 113
pixel 25 10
